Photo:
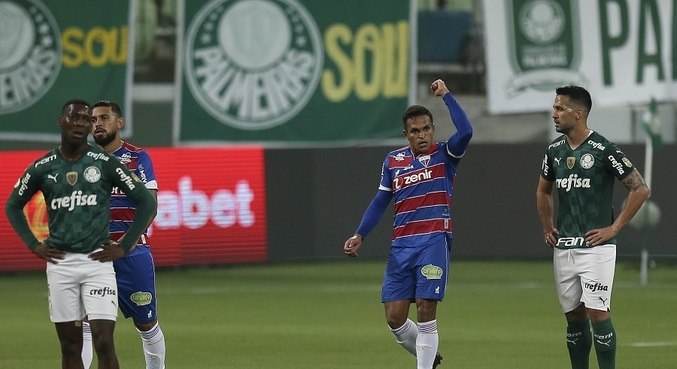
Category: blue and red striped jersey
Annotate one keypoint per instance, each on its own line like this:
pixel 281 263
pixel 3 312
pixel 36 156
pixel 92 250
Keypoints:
pixel 122 208
pixel 422 187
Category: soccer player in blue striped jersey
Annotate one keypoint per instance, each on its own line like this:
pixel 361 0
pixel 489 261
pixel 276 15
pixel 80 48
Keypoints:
pixel 420 179
pixel 135 272
pixel 581 167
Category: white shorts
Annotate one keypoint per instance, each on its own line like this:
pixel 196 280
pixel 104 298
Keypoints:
pixel 79 287
pixel 585 275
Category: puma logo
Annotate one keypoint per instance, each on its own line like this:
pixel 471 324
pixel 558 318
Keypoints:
pixel 557 160
pixel 52 177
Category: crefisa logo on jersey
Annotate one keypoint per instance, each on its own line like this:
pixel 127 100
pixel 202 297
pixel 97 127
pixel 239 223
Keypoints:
pixel 253 64
pixel 545 45
pixel 30 53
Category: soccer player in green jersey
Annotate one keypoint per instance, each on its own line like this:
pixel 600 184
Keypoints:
pixel 581 167
pixel 76 180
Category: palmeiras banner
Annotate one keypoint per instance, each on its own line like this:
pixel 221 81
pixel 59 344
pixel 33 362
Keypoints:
pixel 286 71
pixel 623 52
pixel 53 51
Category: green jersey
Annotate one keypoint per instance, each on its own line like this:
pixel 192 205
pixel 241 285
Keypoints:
pixel 584 180
pixel 77 198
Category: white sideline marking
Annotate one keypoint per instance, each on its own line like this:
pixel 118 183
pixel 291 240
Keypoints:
pixel 653 344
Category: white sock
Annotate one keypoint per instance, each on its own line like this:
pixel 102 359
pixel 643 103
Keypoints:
pixel 406 336
pixel 153 347
pixel 427 342
pixel 87 350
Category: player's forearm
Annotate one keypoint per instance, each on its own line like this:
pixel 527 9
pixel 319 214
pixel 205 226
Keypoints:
pixel 459 141
pixel 633 203
pixel 373 213
pixel 544 205
pixel 145 210
pixel 16 217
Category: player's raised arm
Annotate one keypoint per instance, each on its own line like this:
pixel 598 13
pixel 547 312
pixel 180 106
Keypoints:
pixel 458 142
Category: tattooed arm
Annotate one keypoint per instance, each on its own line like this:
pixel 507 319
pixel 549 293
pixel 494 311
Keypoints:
pixel 638 192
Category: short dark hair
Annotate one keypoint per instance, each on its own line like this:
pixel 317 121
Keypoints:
pixel 73 102
pixel 415 111
pixel 112 105
pixel 577 94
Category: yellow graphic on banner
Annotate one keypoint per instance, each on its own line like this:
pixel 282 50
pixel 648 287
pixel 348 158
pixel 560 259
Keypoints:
pixel 36 214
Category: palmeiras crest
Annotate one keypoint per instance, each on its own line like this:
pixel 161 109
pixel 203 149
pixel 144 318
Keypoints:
pixel 545 45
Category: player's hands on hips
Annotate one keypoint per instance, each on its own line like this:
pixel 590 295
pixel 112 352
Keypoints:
pixel 439 88
pixel 598 236
pixel 46 252
pixel 111 251
pixel 551 237
pixel 352 245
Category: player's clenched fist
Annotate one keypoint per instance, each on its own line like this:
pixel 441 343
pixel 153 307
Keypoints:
pixel 439 88
pixel 352 245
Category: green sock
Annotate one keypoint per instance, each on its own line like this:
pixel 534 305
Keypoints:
pixel 579 342
pixel 605 344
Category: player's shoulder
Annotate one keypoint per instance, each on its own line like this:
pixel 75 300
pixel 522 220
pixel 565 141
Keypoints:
pixel 401 157
pixel 47 157
pixel 46 160
pixel 597 141
pixel 598 137
pixel 96 152
pixel 131 148
pixel 557 142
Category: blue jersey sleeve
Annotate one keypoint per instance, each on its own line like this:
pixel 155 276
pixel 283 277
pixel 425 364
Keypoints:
pixel 374 212
pixel 458 142
pixel 145 171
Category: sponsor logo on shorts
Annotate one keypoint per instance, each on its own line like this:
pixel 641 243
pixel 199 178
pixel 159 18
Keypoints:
pixel 594 287
pixel 432 272
pixel 106 291
pixel 141 298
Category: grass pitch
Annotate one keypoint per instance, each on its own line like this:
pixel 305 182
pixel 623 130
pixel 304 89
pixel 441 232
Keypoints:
pixel 328 315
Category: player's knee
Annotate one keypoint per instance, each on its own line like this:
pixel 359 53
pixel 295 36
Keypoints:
pixel 145 327
pixel 395 322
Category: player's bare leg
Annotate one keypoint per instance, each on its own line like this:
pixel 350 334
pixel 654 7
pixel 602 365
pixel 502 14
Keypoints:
pixel 404 330
pixel 70 338
pixel 102 339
